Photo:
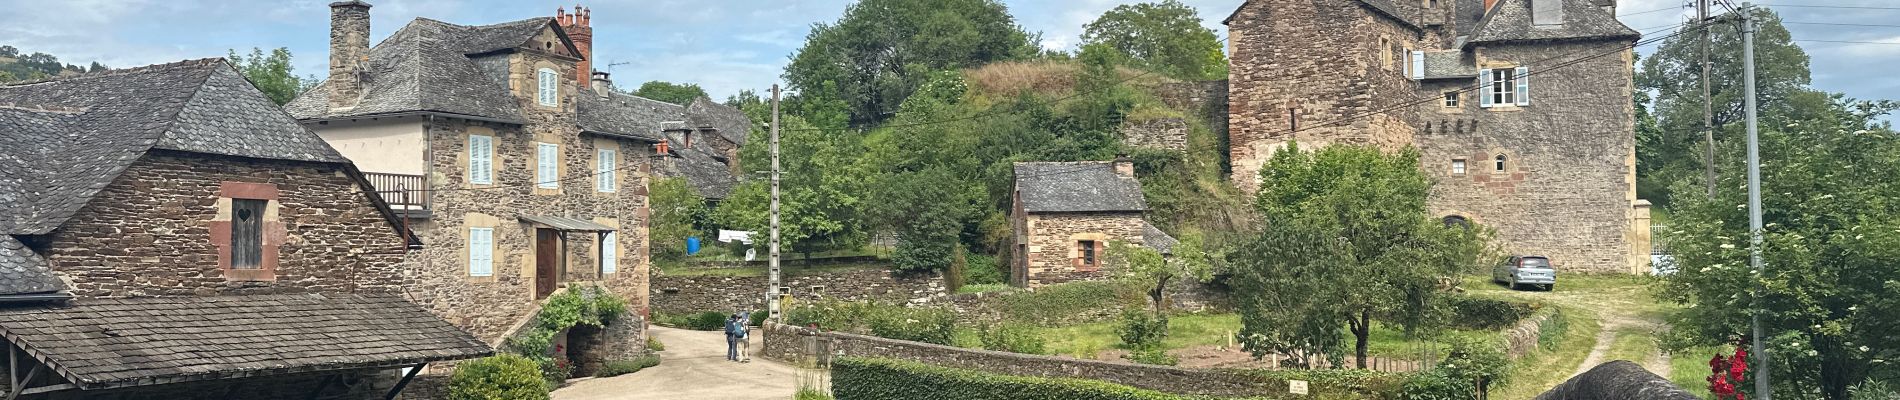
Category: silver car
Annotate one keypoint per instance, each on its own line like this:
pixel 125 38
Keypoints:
pixel 1520 271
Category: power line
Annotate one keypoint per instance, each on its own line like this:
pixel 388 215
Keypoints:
pixel 1841 24
pixel 1843 41
pixel 1829 6
pixel 1649 12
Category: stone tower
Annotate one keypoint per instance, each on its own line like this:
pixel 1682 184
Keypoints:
pixel 349 51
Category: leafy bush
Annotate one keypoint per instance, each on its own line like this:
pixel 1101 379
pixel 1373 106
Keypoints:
pixel 1012 337
pixel 618 368
pixel 1142 331
pixel 810 394
pixel 757 318
pixel 986 288
pixel 1482 313
pixel 580 305
pixel 984 269
pixel 1340 383
pixel 1065 302
pixel 1473 366
pixel 1551 333
pixel 832 315
pixel 655 345
pixel 1152 356
pixel 881 379
pixel 705 321
pixel 502 377
pixel 928 325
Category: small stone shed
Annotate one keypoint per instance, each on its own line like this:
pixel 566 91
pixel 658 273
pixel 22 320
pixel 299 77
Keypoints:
pixel 1066 213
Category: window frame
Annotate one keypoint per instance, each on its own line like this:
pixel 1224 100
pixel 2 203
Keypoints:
pixel 481 159
pixel 1501 162
pixel 1453 99
pixel 547 165
pixel 1089 258
pixel 1503 88
pixel 1459 166
pixel 547 87
pixel 481 252
pixel 606 163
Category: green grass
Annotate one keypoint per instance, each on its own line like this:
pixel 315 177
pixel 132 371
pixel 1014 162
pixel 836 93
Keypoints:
pixel 985 288
pixel 1193 330
pixel 1543 369
pixel 1689 369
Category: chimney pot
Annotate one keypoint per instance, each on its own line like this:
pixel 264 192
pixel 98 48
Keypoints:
pixel 1124 166
pixel 583 37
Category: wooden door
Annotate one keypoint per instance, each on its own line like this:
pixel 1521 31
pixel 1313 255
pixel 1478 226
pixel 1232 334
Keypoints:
pixel 547 261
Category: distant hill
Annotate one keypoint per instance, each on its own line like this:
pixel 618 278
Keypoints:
pixel 17 67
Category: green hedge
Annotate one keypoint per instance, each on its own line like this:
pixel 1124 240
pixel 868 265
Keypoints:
pixel 1057 304
pixel 883 379
pixel 502 377
pixel 1484 313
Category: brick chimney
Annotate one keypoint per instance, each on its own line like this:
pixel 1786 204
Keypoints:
pixel 349 52
pixel 580 31
pixel 1124 166
pixel 1488 4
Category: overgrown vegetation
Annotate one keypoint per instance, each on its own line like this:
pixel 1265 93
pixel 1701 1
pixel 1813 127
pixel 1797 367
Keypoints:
pixel 882 379
pixel 699 321
pixel 618 368
pixel 1054 304
pixel 678 212
pixel 501 377
pixel 1012 337
pixel 579 305
pixel 928 325
pixel 1475 312
pixel 1467 372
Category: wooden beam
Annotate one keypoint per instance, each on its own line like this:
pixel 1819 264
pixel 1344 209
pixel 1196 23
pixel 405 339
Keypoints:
pixel 404 382
pixel 49 388
pixel 15 393
pixel 13 366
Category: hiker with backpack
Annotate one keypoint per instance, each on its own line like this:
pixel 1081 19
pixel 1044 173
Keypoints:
pixel 742 332
pixel 733 332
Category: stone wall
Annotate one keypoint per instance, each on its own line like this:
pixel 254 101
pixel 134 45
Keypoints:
pixel 1568 186
pixel 491 307
pixel 1053 248
pixel 1160 134
pixel 151 231
pixel 691 294
pixel 1522 338
pixel 803 347
pixel 590 348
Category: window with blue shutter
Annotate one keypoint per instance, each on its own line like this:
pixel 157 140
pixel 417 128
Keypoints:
pixel 1500 87
pixel 1523 77
pixel 604 171
pixel 481 156
pixel 481 251
pixel 609 254
pixel 550 87
pixel 1484 88
pixel 547 170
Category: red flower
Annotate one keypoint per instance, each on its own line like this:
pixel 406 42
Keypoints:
pixel 1718 364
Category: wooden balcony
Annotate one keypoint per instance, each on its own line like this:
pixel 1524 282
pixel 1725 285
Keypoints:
pixel 406 194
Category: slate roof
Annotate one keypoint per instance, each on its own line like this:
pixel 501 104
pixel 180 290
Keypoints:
pixel 1154 238
pixel 1403 14
pixel 567 224
pixel 699 166
pixel 732 123
pixel 1510 21
pixel 63 140
pixel 425 67
pixel 625 115
pixel 1449 64
pixel 109 343
pixel 1087 186
pixel 22 271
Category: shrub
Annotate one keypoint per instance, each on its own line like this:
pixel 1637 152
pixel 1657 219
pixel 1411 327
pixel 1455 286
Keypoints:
pixel 757 318
pixel 881 379
pixel 1551 333
pixel 1063 303
pixel 832 315
pixel 984 270
pixel 502 377
pixel 1481 313
pixel 579 305
pixel 1151 356
pixel 706 321
pixel 1472 366
pixel 618 368
pixel 1012 337
pixel 655 345
pixel 1142 331
pixel 928 325
pixel 1339 383
pixel 810 394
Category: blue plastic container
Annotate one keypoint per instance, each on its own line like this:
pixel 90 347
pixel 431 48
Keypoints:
pixel 692 246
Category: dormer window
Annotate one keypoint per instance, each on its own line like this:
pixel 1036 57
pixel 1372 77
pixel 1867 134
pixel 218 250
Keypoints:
pixel 550 87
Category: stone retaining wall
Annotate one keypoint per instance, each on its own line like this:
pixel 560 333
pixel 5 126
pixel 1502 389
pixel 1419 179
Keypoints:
pixel 690 294
pixel 1522 338
pixel 801 346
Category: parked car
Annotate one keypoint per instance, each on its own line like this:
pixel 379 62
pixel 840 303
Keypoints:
pixel 1520 271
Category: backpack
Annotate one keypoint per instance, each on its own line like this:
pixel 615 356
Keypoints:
pixel 740 330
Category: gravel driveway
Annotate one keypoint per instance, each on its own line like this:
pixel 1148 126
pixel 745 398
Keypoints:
pixel 693 366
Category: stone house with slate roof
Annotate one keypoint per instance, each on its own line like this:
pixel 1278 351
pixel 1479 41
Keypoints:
pixel 167 232
pixel 1065 214
pixel 523 170
pixel 1540 147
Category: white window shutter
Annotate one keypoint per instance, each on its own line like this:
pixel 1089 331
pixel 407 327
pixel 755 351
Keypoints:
pixel 609 254
pixel 604 171
pixel 549 87
pixel 1484 88
pixel 481 250
pixel 1523 77
pixel 481 152
pixel 1418 65
pixel 547 173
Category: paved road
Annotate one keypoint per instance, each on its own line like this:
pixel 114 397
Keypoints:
pixel 693 366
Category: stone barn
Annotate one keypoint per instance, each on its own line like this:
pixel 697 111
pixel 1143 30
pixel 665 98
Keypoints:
pixel 1065 214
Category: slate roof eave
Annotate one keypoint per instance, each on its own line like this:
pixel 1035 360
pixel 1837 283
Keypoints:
pixel 1076 187
pixel 1510 22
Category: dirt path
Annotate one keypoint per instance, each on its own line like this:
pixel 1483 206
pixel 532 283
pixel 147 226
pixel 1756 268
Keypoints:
pixel 693 366
pixel 1622 308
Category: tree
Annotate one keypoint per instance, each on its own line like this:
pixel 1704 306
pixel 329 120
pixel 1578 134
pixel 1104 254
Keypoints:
pixel 1166 37
pixel 875 55
pixel 820 187
pixel 1831 245
pixel 1346 239
pixel 676 93
pixel 1148 268
pixel 677 213
pixel 1674 73
pixel 270 73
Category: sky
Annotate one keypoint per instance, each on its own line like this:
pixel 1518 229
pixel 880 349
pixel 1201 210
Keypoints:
pixel 731 45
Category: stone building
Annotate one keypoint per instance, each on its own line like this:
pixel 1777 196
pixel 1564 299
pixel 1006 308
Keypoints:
pixel 525 171
pixel 1522 109
pixel 169 233
pixel 1066 213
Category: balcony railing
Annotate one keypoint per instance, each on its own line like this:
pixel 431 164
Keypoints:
pixel 407 194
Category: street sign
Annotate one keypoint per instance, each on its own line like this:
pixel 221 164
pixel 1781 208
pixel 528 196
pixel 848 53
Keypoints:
pixel 1296 387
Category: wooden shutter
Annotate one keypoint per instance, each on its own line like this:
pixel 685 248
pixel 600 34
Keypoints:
pixel 547 173
pixel 1418 65
pixel 1523 77
pixel 548 88
pixel 247 233
pixel 481 251
pixel 609 254
pixel 1485 91
pixel 604 171
pixel 481 155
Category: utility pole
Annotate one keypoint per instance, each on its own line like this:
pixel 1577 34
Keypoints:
pixel 1708 101
pixel 772 293
pixel 1762 390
